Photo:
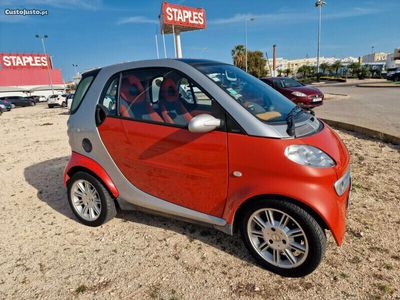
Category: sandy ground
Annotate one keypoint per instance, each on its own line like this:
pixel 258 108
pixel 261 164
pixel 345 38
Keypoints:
pixel 46 253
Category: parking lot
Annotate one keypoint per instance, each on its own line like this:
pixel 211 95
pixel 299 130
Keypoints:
pixel 374 108
pixel 47 253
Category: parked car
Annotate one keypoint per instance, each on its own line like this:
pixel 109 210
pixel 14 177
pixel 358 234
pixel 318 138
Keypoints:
pixel 19 101
pixel 393 74
pixel 57 100
pixel 42 99
pixel 33 98
pixel 5 105
pixel 221 156
pixel 70 97
pixel 304 96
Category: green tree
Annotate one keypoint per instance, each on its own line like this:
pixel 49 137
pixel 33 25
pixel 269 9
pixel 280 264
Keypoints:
pixel 239 56
pixel 336 66
pixel 354 68
pixel 287 72
pixel 306 71
pixel 256 63
pixel 324 67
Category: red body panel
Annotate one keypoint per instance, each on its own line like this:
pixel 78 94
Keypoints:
pixel 267 171
pixel 173 164
pixel 79 160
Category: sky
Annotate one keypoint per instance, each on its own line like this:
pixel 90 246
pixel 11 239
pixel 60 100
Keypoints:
pixel 95 33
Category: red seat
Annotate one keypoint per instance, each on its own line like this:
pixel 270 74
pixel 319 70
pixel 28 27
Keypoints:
pixel 172 109
pixel 133 102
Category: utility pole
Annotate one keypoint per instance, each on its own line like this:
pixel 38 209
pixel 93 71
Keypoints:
pixel 42 38
pixel 319 5
pixel 245 33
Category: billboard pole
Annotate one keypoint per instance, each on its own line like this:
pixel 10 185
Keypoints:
pixel 178 44
pixel 165 48
pixel 48 67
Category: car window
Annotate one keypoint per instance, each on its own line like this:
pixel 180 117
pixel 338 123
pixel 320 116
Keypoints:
pixel 80 93
pixel 164 96
pixel 109 101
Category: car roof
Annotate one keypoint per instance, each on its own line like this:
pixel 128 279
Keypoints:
pixel 190 61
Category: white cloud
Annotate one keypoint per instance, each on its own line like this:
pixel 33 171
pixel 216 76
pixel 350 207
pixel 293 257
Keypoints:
pixel 292 17
pixel 137 20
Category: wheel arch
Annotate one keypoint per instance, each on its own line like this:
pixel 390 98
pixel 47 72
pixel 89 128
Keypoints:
pixel 249 202
pixel 77 169
pixel 79 162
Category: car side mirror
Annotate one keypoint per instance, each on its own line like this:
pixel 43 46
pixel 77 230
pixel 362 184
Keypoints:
pixel 204 123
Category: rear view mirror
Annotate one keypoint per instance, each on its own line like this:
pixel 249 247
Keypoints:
pixel 203 123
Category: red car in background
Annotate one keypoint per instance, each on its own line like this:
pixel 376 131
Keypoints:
pixel 305 96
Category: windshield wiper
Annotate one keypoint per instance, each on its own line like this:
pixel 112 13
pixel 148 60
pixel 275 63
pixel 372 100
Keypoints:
pixel 291 130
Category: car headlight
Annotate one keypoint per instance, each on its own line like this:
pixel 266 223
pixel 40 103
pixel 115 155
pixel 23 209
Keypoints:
pixel 309 156
pixel 299 94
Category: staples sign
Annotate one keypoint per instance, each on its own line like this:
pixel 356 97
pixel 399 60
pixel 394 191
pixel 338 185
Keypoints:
pixel 183 16
pixel 24 61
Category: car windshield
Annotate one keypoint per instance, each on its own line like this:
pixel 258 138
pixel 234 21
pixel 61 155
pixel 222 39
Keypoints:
pixel 256 96
pixel 288 83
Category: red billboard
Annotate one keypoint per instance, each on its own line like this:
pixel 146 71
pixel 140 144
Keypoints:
pixel 181 18
pixel 21 61
pixel 27 70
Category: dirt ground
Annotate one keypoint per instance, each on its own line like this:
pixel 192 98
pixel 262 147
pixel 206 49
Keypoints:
pixel 46 253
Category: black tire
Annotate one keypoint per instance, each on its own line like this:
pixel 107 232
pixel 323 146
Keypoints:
pixel 108 209
pixel 33 103
pixel 50 106
pixel 313 232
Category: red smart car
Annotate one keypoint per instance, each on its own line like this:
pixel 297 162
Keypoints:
pixel 206 142
pixel 305 96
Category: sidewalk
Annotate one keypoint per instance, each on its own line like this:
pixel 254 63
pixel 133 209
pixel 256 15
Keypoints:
pixel 373 108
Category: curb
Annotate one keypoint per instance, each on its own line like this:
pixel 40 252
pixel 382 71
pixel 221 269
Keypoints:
pixel 384 137
pixel 378 86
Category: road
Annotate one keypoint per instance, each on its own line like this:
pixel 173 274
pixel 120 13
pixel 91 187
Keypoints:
pixel 373 108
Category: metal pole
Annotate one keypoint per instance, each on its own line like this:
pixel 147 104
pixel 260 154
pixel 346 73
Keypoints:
pixel 158 53
pixel 319 37
pixel 173 34
pixel 165 48
pixel 48 67
pixel 178 44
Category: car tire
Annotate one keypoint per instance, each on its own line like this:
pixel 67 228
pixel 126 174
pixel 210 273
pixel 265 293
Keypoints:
pixel 293 248
pixel 50 106
pixel 99 203
pixel 32 103
pixel 64 104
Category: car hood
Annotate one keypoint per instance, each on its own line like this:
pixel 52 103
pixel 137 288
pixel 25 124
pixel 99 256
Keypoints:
pixel 308 90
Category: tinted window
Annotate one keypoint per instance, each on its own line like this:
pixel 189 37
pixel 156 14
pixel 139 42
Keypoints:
pixel 80 93
pixel 164 96
pixel 109 100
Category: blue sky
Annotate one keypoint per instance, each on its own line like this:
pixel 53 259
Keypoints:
pixel 94 33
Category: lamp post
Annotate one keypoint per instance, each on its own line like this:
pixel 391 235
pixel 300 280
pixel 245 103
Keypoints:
pixel 42 38
pixel 245 30
pixel 76 68
pixel 319 5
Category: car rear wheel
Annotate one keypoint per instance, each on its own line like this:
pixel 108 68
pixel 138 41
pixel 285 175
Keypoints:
pixel 89 200
pixel 50 106
pixel 283 237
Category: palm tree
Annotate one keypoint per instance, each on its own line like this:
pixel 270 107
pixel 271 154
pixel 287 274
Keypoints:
pixel 239 56
pixel 336 66
pixel 287 72
pixel 324 67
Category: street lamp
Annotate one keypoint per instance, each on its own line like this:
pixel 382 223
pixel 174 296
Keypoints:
pixel 245 29
pixel 319 5
pixel 76 68
pixel 42 38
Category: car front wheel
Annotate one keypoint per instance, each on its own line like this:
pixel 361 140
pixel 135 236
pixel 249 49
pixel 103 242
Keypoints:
pixel 283 237
pixel 89 200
